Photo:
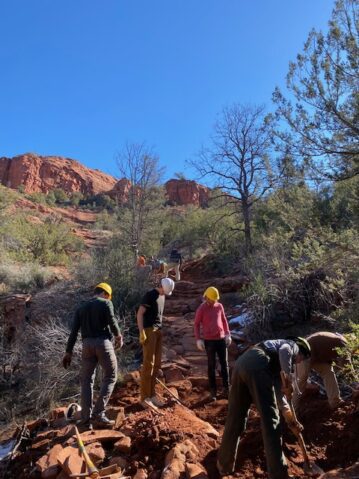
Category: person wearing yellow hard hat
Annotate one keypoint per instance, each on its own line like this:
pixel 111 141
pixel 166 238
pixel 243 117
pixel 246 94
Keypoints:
pixel 212 335
pixel 149 322
pixel 97 323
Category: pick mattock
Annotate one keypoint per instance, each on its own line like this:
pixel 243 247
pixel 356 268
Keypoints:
pixel 310 467
pixel 92 470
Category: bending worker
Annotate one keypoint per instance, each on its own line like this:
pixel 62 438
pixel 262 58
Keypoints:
pixel 323 346
pixel 256 378
pixel 149 321
pixel 211 321
pixel 97 323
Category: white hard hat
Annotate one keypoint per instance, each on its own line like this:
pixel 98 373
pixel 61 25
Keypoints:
pixel 168 285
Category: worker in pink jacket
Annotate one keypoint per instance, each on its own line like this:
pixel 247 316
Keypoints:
pixel 212 334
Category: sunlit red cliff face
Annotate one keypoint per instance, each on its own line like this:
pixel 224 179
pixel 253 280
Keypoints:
pixel 41 174
pixel 186 192
pixel 35 173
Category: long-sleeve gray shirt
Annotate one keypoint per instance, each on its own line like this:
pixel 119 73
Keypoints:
pixel 96 319
pixel 287 351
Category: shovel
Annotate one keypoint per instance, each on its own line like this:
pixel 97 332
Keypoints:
pixel 310 467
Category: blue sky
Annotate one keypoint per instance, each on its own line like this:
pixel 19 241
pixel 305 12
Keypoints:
pixel 79 78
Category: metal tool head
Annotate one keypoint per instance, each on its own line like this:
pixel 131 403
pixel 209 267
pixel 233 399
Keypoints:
pixel 312 469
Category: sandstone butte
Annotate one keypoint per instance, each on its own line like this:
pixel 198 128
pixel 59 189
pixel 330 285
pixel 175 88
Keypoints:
pixel 41 174
pixel 187 192
pixel 44 173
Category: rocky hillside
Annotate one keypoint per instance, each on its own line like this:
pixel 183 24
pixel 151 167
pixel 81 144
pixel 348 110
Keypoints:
pixel 41 174
pixel 36 173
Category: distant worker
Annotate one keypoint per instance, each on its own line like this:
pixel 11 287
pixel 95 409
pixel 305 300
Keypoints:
pixel 323 346
pixel 149 321
pixel 141 261
pixel 211 324
pixel 175 262
pixel 97 322
pixel 158 265
pixel 256 378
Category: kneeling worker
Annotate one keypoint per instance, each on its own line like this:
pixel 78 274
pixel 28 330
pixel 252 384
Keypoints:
pixel 97 323
pixel 256 378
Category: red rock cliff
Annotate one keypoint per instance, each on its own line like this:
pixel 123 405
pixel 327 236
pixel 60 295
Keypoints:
pixel 186 192
pixel 45 173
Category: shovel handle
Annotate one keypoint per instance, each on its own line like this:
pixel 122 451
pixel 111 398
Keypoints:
pixel 170 392
pixel 299 434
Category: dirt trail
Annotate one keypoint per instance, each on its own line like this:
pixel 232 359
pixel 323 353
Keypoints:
pixel 153 438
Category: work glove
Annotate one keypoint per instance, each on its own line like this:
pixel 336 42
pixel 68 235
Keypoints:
pixel 292 422
pixel 228 340
pixel 118 341
pixel 200 344
pixel 287 387
pixel 66 360
pixel 143 337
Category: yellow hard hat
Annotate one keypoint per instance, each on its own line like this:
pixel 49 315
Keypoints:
pixel 211 293
pixel 105 287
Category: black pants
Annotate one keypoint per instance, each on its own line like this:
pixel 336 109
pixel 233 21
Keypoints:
pixel 213 347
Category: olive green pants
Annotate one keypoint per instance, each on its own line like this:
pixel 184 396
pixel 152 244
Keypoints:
pixel 152 355
pixel 253 382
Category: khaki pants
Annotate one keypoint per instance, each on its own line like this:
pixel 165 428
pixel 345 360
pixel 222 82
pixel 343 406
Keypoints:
pixel 326 371
pixel 176 267
pixel 152 355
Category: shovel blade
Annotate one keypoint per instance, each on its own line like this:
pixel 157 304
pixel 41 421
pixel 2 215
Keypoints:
pixel 312 469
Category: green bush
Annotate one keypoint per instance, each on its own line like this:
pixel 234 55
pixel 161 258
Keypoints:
pixel 48 243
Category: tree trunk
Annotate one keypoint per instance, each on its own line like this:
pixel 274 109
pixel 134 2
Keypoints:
pixel 247 227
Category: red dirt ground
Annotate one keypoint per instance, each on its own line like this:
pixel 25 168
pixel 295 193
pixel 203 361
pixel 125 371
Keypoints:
pixel 331 436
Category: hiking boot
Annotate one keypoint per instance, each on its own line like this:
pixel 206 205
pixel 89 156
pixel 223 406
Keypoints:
pixel 102 422
pixel 84 424
pixel 157 401
pixel 213 395
pixel 339 403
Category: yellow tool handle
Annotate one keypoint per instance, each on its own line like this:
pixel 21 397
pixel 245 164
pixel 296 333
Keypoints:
pixel 92 469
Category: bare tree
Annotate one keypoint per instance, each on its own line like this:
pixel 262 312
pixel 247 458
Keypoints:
pixel 140 166
pixel 237 161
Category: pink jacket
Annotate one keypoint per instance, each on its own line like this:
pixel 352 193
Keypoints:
pixel 212 320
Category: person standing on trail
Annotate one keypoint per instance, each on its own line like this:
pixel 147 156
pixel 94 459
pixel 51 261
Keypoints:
pixel 323 346
pixel 98 324
pixel 141 261
pixel 175 261
pixel 211 323
pixel 256 378
pixel 149 321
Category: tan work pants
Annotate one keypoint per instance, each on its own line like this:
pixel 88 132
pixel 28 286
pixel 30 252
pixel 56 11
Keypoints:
pixel 326 371
pixel 152 355
pixel 176 267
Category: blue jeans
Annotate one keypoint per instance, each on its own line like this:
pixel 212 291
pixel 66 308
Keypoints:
pixel 97 351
